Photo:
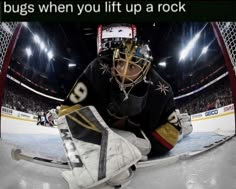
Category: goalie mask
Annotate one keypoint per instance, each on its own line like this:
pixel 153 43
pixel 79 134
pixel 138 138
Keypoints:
pixel 131 62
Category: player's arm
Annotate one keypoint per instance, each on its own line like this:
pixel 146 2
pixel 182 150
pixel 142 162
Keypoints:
pixel 79 95
pixel 167 132
pixel 89 86
pixel 81 92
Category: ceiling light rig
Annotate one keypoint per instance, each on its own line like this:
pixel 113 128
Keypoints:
pixel 191 44
pixel 42 46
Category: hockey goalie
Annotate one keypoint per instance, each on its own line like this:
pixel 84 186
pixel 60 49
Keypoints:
pixel 120 111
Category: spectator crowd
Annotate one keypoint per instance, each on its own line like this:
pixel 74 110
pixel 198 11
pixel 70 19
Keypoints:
pixel 214 96
pixel 19 98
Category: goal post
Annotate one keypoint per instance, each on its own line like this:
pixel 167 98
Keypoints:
pixel 225 33
pixel 9 33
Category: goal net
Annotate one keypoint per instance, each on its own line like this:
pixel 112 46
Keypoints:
pixel 225 33
pixel 9 32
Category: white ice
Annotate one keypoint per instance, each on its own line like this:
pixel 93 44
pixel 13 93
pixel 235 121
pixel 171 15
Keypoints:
pixel 215 169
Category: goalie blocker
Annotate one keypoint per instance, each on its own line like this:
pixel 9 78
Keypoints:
pixel 95 153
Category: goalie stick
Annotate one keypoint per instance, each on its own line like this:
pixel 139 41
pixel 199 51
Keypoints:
pixel 17 154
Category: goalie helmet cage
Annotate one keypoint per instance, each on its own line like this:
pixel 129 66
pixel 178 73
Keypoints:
pixel 9 33
pixel 225 33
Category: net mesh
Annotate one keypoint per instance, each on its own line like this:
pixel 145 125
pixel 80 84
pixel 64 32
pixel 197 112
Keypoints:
pixel 228 33
pixel 6 31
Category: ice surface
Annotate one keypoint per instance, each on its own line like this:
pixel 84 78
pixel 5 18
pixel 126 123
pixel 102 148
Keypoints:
pixel 215 169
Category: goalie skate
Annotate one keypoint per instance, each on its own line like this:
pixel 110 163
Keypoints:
pixel 94 152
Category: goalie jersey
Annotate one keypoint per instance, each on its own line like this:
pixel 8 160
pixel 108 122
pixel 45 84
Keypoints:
pixel 150 106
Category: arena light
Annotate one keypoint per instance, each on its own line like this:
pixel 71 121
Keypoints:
pixel 184 53
pixel 42 45
pixel 28 51
pixel 71 65
pixel 50 55
pixel 25 24
pixel 36 39
pixel 162 64
pixel 204 50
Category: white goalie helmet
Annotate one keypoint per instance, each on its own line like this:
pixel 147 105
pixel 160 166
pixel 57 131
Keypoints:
pixel 110 36
pixel 131 63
